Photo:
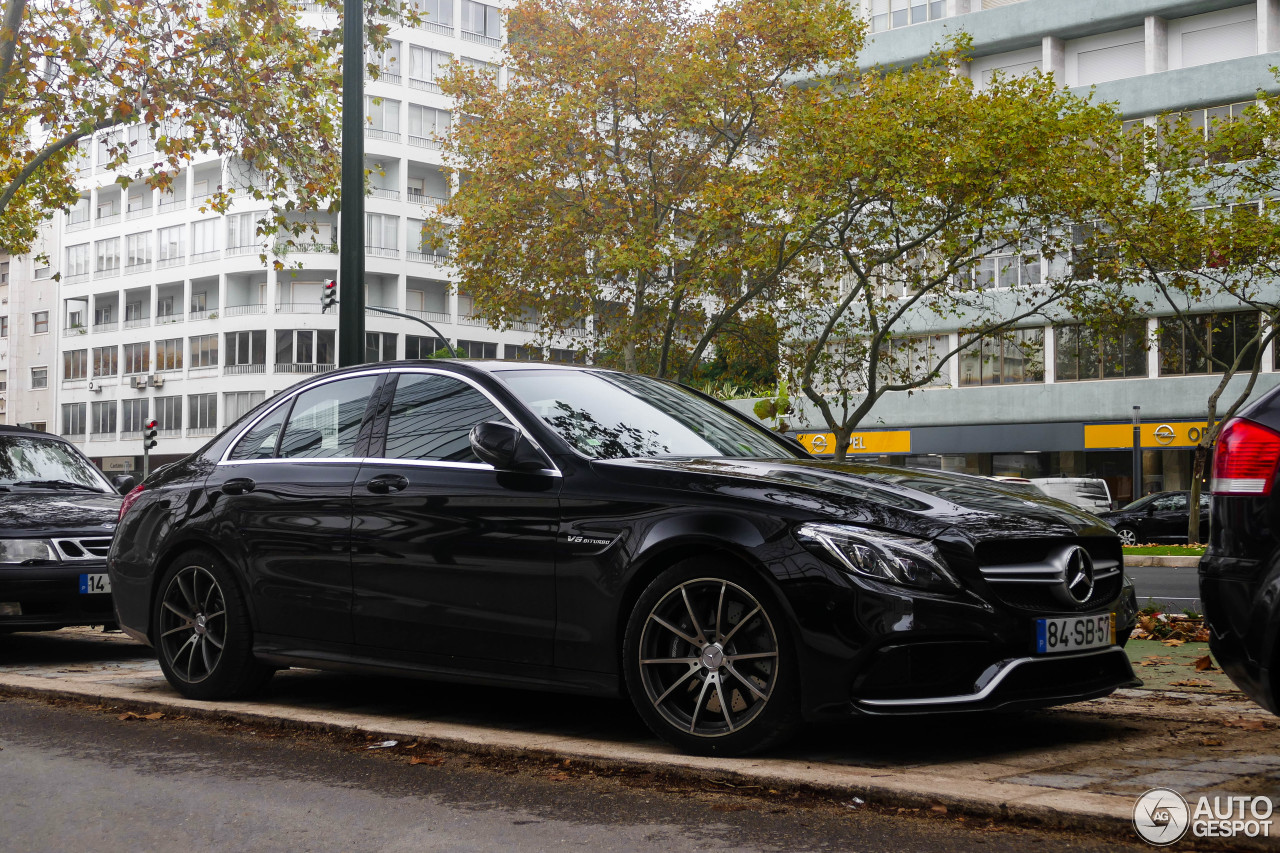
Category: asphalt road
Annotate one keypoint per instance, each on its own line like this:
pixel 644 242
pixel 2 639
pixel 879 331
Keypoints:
pixel 80 778
pixel 1174 589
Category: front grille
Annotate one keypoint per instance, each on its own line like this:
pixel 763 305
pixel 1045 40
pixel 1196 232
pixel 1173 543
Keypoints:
pixel 1035 575
pixel 83 549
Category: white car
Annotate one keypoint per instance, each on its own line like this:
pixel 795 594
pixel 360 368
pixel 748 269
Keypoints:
pixel 1087 493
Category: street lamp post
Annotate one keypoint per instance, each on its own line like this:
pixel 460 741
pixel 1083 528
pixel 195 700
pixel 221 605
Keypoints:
pixel 351 232
pixel 1137 452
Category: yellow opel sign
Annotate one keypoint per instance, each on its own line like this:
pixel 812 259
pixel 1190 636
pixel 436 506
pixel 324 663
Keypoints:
pixel 1154 435
pixel 887 441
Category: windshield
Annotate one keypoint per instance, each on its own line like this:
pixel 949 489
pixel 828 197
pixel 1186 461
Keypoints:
pixel 618 416
pixel 24 459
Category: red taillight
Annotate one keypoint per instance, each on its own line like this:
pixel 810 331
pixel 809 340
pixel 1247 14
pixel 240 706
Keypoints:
pixel 1245 459
pixel 129 500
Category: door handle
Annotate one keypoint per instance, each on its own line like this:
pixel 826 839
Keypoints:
pixel 386 483
pixel 238 486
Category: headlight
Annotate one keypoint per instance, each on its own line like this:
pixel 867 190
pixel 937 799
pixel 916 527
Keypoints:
pixel 889 557
pixel 22 550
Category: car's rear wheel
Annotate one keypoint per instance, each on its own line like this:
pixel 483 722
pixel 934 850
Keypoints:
pixel 1128 536
pixel 204 638
pixel 709 663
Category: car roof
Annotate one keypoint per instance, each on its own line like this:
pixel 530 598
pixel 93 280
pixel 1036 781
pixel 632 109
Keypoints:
pixel 18 430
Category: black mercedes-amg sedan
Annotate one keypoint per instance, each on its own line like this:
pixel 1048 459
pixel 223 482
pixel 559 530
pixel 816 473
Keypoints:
pixel 1240 570
pixel 583 530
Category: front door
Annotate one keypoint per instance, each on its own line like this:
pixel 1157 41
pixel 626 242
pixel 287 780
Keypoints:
pixel 453 562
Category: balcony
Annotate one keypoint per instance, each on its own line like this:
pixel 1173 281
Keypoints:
pixel 381 252
pixel 477 38
pixel 383 192
pixel 167 319
pixel 241 369
pixel 79 225
pixel 165 263
pixel 169 433
pixel 105 272
pixel 192 432
pixel 72 331
pixel 436 316
pixel 233 251
pixel 425 142
pixel 199 372
pixel 137 323
pixel 110 219
pixel 309 248
pixel 303 368
pixel 205 257
pixel 425 86
pixel 427 258
pixel 108 326
pixel 74 436
pixel 137 267
pixel 473 320
pixel 138 213
pixel 102 436
pixel 172 205
pixel 241 310
pixel 423 198
pixel 75 279
pixel 387 135
pixel 299 308
pixel 385 77
pixel 433 27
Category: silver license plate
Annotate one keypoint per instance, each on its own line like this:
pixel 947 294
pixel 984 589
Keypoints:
pixel 1074 633
pixel 95 583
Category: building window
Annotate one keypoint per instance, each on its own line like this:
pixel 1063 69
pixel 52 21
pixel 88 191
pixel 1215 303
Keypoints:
pixel 523 353
pixel 562 355
pixel 137 249
pixel 40 323
pixel 169 414
pixel 105 361
pixel 169 354
pixel 1185 347
pixel 1081 352
pixel 204 349
pixel 75 364
pixel 304 347
pixel 381 231
pixel 1015 357
pixel 4 272
pixel 891 14
pixel 476 349
pixel 480 19
pixel 911 358
pixel 416 346
pixel 379 346
pixel 247 348
pixel 39 378
pixel 438 12
pixel 241 231
pixel 4 327
pixel 383 116
pixel 427 125
pixel 137 357
pixel 202 412
pixel 1211 120
pixel 133 415
pixel 1007 268
pixel 170 245
pixel 78 260
pixel 427 65
pixel 102 419
pixel 107 255
pixel 204 238
pixel 73 415
pixel 240 403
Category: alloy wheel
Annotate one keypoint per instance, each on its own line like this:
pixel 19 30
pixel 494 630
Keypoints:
pixel 1128 536
pixel 708 657
pixel 193 624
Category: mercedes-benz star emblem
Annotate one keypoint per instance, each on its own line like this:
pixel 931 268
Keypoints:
pixel 1078 577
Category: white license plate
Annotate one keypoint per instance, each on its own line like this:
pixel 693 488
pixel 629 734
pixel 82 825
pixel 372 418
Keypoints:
pixel 90 584
pixel 1073 633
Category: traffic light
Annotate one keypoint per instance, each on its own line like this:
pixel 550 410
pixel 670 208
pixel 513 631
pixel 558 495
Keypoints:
pixel 328 296
pixel 149 434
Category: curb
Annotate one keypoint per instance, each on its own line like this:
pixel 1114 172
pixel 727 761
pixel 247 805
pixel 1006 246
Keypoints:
pixel 920 788
pixel 1161 560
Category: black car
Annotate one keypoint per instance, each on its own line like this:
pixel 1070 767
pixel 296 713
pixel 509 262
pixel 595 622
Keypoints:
pixel 1161 517
pixel 1240 569
pixel 594 532
pixel 57 516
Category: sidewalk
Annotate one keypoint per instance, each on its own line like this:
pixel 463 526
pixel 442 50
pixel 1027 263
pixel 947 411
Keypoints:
pixel 1080 767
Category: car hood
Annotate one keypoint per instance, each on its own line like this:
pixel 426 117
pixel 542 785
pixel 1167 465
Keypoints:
pixel 40 513
pixel 923 503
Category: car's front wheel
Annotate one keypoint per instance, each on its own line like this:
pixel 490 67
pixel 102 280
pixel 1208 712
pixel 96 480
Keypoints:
pixel 203 634
pixel 1128 536
pixel 709 663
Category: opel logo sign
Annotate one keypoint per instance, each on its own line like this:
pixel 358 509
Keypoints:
pixel 1165 434
pixel 819 444
pixel 1078 577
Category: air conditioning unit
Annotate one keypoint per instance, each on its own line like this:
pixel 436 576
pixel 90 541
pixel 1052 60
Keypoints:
pixel 137 382
pixel 157 381
pixel 95 387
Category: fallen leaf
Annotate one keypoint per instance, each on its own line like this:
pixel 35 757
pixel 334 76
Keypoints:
pixel 938 809
pixel 558 777
pixel 1191 682
pixel 1210 741
pixel 1248 725
pixel 1204 663
pixel 1173 644
pixel 430 762
pixel 158 715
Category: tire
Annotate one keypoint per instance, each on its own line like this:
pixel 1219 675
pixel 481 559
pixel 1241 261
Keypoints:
pixel 203 636
pixel 1128 536
pixel 709 662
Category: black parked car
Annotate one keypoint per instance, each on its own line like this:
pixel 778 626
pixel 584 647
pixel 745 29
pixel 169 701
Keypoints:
pixel 588 531
pixel 1240 570
pixel 1162 517
pixel 57 517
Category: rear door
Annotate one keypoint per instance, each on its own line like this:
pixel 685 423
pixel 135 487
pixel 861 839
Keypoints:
pixel 282 505
pixel 1169 518
pixel 453 562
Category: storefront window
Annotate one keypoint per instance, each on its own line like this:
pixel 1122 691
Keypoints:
pixel 1012 358
pixel 1082 352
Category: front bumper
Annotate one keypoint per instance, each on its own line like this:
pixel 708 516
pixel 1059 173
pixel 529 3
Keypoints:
pixel 49 597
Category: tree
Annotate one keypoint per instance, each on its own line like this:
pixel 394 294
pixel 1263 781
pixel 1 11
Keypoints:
pixel 1201 245
pixel 160 81
pixel 929 203
pixel 612 177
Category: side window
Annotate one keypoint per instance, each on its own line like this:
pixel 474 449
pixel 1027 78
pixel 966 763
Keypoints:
pixel 432 417
pixel 325 420
pixel 1173 503
pixel 260 442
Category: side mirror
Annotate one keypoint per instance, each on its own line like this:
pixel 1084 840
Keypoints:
pixel 123 483
pixel 505 448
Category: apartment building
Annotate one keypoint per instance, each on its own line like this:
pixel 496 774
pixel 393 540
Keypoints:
pixel 1054 405
pixel 165 310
